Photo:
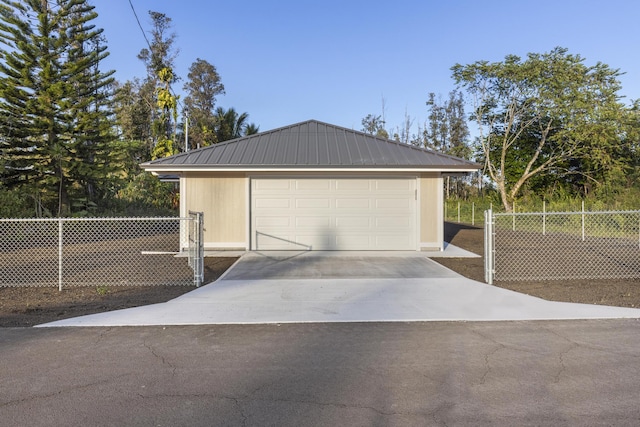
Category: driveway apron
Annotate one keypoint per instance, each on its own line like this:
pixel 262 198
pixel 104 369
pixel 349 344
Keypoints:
pixel 299 287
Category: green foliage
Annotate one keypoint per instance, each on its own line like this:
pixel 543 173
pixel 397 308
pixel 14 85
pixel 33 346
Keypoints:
pixel 471 209
pixel 251 129
pixel 133 104
pixel 15 204
pixel 231 125
pixel 54 103
pixel 374 125
pixel 446 130
pixel 161 53
pixel 162 104
pixel 62 150
pixel 164 148
pixel 146 193
pixel 203 86
pixel 547 118
pixel 102 290
pixel 164 129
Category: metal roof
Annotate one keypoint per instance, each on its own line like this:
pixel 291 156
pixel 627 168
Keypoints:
pixel 310 145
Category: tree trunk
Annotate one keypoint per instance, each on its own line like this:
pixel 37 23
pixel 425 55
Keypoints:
pixel 64 206
pixel 507 201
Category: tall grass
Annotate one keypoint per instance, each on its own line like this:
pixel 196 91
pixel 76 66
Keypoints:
pixel 471 210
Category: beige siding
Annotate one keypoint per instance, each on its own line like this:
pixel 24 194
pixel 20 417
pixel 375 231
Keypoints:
pixel 431 217
pixel 223 199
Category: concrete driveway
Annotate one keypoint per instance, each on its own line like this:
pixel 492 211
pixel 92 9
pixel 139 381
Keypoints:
pixel 335 265
pixel 298 287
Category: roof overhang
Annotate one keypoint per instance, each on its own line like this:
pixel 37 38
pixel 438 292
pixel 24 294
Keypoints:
pixel 172 171
pixel 165 177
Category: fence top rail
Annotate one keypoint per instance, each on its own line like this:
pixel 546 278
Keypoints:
pixel 509 214
pixel 112 219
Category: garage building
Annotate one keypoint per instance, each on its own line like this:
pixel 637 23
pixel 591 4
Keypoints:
pixel 314 186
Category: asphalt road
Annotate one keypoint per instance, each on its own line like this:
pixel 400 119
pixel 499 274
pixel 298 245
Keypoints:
pixel 342 374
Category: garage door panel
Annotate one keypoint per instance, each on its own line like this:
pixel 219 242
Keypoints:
pixel 392 242
pixel 313 222
pixel 282 241
pixel 272 184
pixel 353 203
pixel 272 240
pixel 267 203
pixel 312 184
pixel 398 223
pixel 273 221
pixel 346 223
pixel 315 241
pixel 394 203
pixel 394 184
pixel 353 185
pixel 312 203
pixel 333 214
pixel 353 241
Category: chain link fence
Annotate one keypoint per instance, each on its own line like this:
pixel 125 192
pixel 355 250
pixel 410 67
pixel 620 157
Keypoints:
pixel 467 212
pixel 562 246
pixel 101 251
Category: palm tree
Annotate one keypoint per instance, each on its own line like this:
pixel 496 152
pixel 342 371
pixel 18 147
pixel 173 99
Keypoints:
pixel 251 129
pixel 230 124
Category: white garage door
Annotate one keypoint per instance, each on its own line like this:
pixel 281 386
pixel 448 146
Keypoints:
pixel 333 214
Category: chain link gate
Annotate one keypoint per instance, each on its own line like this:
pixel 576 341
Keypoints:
pixel 100 252
pixel 562 245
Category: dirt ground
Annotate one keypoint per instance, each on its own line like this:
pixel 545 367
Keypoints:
pixel 28 306
pixel 618 292
pixel 25 306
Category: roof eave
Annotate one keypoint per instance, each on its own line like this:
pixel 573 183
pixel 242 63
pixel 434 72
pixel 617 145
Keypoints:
pixel 164 169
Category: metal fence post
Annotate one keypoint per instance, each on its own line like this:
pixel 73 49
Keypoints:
pixel 60 240
pixel 200 277
pixel 473 213
pixel 544 217
pixel 583 220
pixel 196 246
pixel 488 246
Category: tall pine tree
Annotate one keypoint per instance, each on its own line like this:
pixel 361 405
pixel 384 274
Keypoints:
pixel 55 124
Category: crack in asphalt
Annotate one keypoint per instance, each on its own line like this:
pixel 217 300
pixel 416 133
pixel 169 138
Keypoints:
pixel 434 415
pixel 101 336
pixel 488 355
pixel 331 405
pixel 60 392
pixel 487 363
pixel 241 411
pixel 633 353
pixel 238 401
pixel 561 355
pixel 160 357
pixel 563 367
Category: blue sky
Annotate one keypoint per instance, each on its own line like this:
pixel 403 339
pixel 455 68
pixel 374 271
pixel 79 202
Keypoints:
pixel 336 60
